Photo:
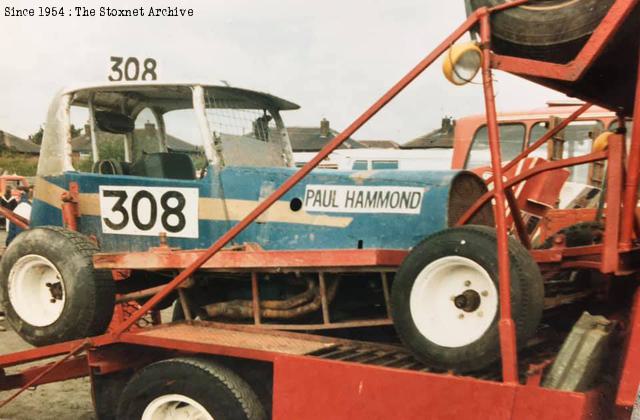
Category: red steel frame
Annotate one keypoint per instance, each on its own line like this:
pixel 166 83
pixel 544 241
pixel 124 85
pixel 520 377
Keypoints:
pixel 618 233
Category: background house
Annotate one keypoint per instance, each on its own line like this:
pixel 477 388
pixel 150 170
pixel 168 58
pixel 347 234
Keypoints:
pixel 17 155
pixel 380 144
pixel 145 139
pixel 11 143
pixel 312 139
pixel 439 138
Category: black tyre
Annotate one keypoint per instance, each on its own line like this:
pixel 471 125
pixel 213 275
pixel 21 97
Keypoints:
pixel 105 390
pixel 445 299
pixel 50 291
pixel 579 234
pixel 188 386
pixel 551 30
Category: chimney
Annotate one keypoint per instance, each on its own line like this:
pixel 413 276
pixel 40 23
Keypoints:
pixel 324 128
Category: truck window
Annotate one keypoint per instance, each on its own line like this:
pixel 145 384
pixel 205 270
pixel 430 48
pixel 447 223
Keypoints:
pixel 360 165
pixel 613 126
pixel 384 164
pixel 538 130
pixel 511 143
pixel 629 125
pixel 577 142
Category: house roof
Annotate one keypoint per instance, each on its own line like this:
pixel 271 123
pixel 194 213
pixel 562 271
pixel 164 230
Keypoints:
pixel 380 144
pixel 439 138
pixel 303 139
pixel 82 143
pixel 309 139
pixel 16 144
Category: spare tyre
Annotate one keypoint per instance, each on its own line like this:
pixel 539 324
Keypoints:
pixel 548 30
pixel 445 298
pixel 50 290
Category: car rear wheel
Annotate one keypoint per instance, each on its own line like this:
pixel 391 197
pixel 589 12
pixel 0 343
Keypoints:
pixel 446 302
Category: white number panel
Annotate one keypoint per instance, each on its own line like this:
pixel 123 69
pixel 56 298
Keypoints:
pixel 149 211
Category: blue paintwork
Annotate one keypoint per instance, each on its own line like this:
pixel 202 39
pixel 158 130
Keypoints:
pixel 389 231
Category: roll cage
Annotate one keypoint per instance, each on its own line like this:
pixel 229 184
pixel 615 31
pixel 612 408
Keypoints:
pixel 129 100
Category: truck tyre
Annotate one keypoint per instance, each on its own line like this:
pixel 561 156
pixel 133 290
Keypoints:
pixel 50 291
pixel 107 389
pixel 188 388
pixel 445 299
pixel 550 30
pixel 579 234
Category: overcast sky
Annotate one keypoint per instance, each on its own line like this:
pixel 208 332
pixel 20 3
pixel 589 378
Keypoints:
pixel 334 58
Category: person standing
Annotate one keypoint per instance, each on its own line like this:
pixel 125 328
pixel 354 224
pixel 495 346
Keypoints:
pixel 4 200
pixel 22 208
pixel 8 201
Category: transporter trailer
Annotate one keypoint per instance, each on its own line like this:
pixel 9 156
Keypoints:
pixel 491 326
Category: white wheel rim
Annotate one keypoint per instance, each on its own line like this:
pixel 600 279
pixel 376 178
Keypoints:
pixel 36 290
pixel 433 306
pixel 175 406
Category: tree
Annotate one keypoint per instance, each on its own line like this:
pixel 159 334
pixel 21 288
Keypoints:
pixel 37 137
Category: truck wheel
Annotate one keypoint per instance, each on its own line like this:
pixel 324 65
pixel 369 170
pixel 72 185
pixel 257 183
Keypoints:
pixel 445 299
pixel 552 30
pixel 579 234
pixel 50 291
pixel 188 388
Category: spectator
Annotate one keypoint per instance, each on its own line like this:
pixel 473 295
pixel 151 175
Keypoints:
pixel 9 202
pixel 12 201
pixel 22 208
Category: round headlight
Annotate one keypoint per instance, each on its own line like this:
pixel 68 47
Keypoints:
pixel 462 62
pixel 601 142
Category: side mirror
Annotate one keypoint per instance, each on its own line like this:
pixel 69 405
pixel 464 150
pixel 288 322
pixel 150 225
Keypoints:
pixel 113 122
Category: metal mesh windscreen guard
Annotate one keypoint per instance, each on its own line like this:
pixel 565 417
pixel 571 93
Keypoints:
pixel 227 120
pixel 243 136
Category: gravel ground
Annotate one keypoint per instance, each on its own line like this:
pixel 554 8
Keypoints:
pixel 61 401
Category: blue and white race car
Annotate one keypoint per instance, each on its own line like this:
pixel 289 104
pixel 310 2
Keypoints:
pixel 135 186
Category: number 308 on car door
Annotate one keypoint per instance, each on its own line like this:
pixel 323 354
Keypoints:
pixel 149 211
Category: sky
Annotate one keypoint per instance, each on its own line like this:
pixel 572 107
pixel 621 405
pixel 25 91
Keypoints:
pixel 334 58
